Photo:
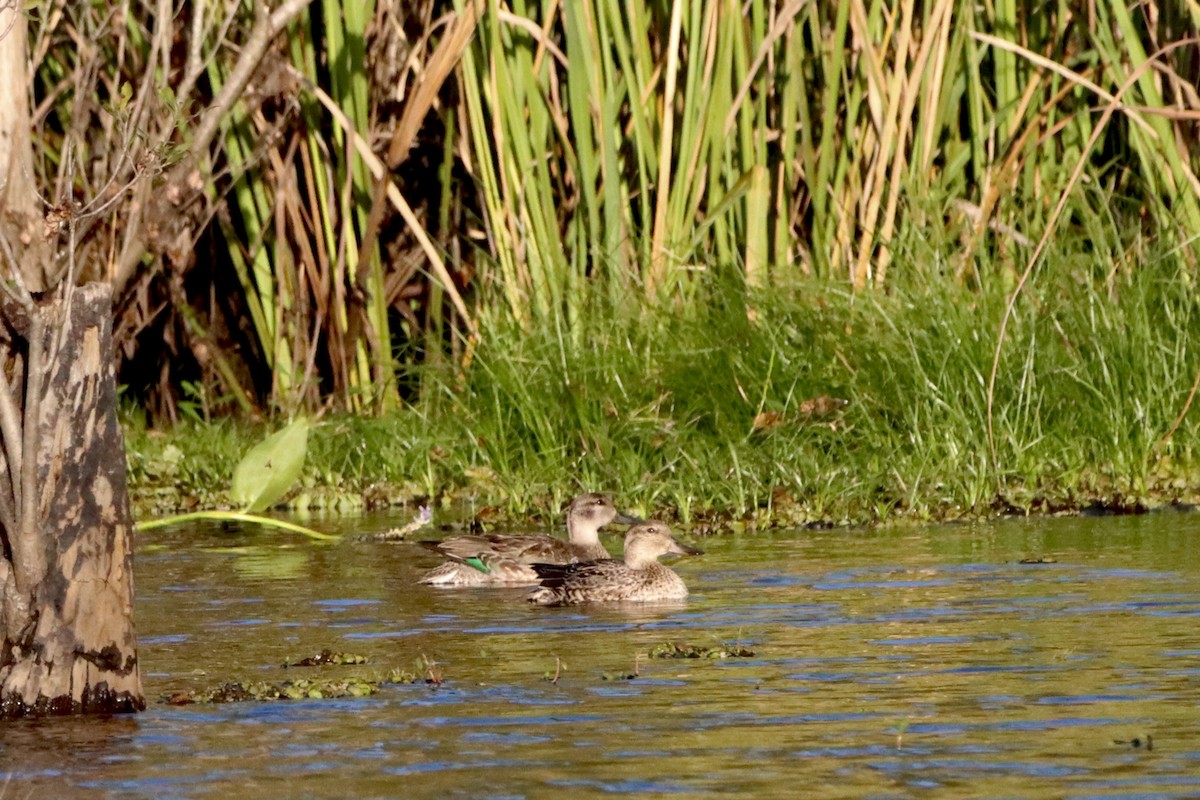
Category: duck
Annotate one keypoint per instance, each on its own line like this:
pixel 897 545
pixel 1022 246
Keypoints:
pixel 639 578
pixel 503 559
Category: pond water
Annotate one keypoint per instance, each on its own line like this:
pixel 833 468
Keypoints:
pixel 909 662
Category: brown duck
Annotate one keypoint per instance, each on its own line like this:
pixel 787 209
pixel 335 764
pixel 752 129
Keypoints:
pixel 639 578
pixel 504 559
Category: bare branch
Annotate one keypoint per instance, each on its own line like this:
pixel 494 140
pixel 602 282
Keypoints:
pixel 10 435
pixel 10 425
pixel 194 65
pixel 20 293
pixel 159 48
pixel 29 556
pixel 265 29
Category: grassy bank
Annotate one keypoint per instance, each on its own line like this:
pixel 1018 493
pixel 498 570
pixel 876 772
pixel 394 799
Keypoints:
pixel 805 404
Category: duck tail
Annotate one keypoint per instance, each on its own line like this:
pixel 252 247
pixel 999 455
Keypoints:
pixel 551 574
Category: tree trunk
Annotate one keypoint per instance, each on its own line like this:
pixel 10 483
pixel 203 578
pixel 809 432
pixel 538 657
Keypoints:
pixel 21 223
pixel 67 602
pixel 67 643
pixel 16 151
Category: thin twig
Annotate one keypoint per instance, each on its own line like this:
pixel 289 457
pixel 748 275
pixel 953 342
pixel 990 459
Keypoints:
pixel 18 292
pixel 261 36
pixel 160 45
pixel 378 171
pixel 66 296
pixel 193 66
pixel 1187 404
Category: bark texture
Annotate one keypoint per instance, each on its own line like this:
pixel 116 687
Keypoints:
pixel 21 221
pixel 67 605
pixel 16 150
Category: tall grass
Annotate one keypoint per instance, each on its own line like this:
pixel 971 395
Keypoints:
pixel 710 409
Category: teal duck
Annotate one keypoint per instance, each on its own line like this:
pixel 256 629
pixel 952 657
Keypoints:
pixel 637 579
pixel 504 559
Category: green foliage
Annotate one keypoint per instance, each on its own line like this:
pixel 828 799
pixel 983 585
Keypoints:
pixel 681 414
pixel 739 255
pixel 264 475
pixel 295 238
pixel 271 467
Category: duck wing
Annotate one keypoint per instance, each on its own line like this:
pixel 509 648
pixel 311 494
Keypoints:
pixel 480 572
pixel 581 574
pixel 523 549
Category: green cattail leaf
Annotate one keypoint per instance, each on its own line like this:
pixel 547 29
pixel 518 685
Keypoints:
pixel 271 467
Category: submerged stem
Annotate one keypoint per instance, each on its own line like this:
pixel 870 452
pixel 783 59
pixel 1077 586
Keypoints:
pixel 237 516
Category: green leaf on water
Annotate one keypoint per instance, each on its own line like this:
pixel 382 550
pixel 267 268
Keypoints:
pixel 271 467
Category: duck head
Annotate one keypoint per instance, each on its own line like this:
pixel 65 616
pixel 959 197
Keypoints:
pixel 589 512
pixel 648 540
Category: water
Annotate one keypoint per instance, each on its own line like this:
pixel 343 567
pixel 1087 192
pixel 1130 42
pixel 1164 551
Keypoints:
pixel 919 662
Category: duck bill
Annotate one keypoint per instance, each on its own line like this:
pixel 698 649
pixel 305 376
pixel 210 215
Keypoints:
pixel 626 519
pixel 684 549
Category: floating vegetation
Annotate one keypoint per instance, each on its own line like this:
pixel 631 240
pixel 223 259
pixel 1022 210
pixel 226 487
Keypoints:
pixel 432 669
pixel 680 650
pixel 423 518
pixel 559 667
pixel 326 657
pixel 1145 740
pixel 625 676
pixel 325 689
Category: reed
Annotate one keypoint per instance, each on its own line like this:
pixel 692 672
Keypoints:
pixel 666 140
pixel 317 304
